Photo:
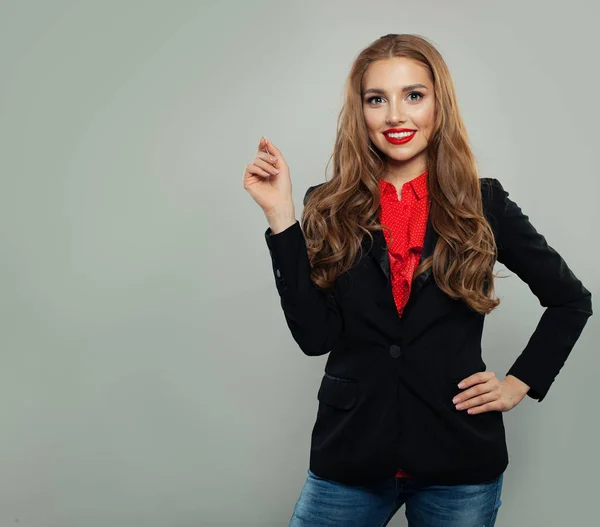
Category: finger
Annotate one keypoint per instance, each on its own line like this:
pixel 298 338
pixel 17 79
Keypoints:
pixel 257 171
pixel 262 146
pixel 488 407
pixel 487 397
pixel 480 376
pixel 481 387
pixel 274 150
pixel 267 157
pixel 471 392
pixel 268 167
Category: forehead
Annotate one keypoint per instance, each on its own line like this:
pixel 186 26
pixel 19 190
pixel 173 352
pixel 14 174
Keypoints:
pixel 394 73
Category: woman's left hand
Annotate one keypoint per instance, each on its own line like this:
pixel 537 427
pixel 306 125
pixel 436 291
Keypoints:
pixel 483 392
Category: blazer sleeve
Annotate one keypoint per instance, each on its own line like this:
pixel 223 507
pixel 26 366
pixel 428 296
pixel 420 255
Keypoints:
pixel 312 314
pixel 568 303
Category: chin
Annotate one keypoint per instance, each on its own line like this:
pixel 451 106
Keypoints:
pixel 405 156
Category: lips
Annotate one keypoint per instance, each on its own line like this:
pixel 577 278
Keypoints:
pixel 400 140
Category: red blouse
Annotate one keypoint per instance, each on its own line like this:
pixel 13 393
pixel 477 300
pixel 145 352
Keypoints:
pixel 407 219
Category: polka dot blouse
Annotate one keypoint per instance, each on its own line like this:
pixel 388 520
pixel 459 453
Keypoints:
pixel 407 219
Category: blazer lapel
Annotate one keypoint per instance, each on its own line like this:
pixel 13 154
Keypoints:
pixel 429 242
pixel 379 252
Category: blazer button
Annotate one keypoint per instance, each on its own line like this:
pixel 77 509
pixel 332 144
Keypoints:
pixel 395 351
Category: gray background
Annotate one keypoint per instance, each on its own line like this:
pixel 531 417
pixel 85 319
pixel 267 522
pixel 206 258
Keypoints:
pixel 148 377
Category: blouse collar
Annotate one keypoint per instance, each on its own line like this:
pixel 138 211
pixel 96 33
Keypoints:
pixel 418 184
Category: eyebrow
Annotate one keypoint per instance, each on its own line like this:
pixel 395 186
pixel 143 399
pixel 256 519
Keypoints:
pixel 410 87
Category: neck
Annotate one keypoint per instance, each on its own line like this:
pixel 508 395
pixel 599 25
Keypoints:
pixel 399 174
pixel 398 179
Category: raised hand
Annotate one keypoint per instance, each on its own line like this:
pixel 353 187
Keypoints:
pixel 267 179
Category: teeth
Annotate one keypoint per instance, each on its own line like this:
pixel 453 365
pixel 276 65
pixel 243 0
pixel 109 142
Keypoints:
pixel 400 134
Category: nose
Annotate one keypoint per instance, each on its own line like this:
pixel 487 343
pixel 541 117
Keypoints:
pixel 395 115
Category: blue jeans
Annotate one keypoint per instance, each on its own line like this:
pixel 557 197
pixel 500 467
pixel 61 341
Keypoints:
pixel 325 502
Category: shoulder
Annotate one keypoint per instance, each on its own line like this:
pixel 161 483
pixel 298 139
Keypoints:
pixel 493 198
pixel 491 189
pixel 310 189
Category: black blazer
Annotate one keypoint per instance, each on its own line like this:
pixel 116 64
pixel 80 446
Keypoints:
pixel 385 400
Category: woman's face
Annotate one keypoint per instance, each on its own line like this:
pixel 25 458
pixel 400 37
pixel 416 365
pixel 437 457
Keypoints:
pixel 398 93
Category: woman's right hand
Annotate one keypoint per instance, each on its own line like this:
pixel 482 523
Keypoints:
pixel 267 179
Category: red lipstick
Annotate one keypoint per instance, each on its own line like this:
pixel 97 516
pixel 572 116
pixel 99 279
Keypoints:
pixel 401 140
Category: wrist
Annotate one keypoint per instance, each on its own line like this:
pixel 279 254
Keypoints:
pixel 517 383
pixel 280 218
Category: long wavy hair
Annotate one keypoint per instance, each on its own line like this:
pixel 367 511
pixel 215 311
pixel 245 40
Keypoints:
pixel 339 213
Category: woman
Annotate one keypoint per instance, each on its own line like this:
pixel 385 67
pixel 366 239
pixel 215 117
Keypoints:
pixel 392 275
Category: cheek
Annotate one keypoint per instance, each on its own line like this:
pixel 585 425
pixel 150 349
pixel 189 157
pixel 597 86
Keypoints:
pixel 424 118
pixel 429 117
pixel 371 122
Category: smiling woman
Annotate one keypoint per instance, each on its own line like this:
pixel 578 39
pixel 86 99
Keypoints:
pixel 390 272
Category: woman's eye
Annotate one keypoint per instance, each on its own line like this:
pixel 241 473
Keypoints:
pixel 419 94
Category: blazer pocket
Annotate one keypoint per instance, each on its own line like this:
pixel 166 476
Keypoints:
pixel 338 392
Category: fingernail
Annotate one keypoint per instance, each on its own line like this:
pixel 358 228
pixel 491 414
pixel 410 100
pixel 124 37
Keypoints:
pixel 461 384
